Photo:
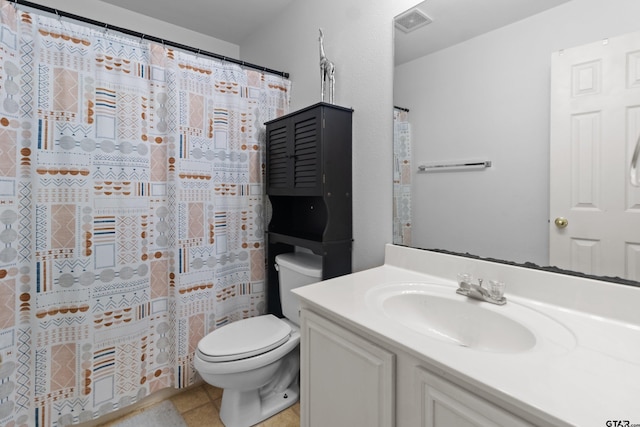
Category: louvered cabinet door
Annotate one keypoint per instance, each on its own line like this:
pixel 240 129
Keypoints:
pixel 294 153
pixel 279 161
pixel 307 154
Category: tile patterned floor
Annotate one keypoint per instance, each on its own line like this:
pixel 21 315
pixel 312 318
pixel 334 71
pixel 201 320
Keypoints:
pixel 199 407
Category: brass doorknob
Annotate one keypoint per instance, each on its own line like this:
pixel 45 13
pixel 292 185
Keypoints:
pixel 561 222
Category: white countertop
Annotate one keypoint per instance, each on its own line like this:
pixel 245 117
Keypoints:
pixel 583 383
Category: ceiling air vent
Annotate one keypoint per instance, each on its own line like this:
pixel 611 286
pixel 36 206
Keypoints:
pixel 411 20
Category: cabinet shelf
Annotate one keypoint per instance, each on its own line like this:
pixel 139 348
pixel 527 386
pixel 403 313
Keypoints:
pixel 298 239
pixel 319 247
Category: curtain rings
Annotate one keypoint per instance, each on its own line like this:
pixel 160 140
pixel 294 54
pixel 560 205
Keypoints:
pixel 59 15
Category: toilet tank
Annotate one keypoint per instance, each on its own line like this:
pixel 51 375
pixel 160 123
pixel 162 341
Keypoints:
pixel 296 269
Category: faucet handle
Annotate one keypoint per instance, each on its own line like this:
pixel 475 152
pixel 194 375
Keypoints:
pixel 496 289
pixel 464 280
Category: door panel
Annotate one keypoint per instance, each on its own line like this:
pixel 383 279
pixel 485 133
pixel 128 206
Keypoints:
pixel 595 123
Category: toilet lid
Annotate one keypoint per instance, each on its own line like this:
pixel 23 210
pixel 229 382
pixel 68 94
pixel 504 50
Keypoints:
pixel 244 338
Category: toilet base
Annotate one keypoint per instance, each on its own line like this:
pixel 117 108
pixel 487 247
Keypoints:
pixel 247 408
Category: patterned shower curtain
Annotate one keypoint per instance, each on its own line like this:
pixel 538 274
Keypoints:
pixel 401 178
pixel 131 213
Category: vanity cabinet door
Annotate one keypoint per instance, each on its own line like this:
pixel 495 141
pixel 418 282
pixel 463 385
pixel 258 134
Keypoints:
pixel 444 404
pixel 345 380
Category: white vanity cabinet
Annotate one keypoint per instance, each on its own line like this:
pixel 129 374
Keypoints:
pixel 368 362
pixel 349 380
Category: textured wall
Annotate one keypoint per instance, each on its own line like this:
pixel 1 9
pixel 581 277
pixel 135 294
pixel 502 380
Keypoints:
pixel 104 12
pixel 359 40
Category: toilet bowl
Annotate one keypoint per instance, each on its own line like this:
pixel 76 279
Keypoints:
pixel 256 361
pixel 257 367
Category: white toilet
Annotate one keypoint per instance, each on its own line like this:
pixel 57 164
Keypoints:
pixel 257 361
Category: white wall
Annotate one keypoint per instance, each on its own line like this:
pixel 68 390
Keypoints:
pixel 359 40
pixel 119 17
pixel 489 98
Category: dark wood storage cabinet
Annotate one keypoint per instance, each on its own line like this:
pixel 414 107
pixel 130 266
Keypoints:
pixel 308 179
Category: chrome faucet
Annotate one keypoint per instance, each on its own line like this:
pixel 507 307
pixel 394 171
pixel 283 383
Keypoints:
pixel 471 290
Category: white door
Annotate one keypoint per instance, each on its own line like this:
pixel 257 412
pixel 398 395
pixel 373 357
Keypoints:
pixel 595 126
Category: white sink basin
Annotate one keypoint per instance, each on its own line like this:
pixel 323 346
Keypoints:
pixel 436 311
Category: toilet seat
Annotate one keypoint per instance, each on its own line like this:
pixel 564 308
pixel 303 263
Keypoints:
pixel 244 338
pixel 248 363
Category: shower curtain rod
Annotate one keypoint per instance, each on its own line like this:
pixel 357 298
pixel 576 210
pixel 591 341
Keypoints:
pixel 106 26
pixel 401 108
